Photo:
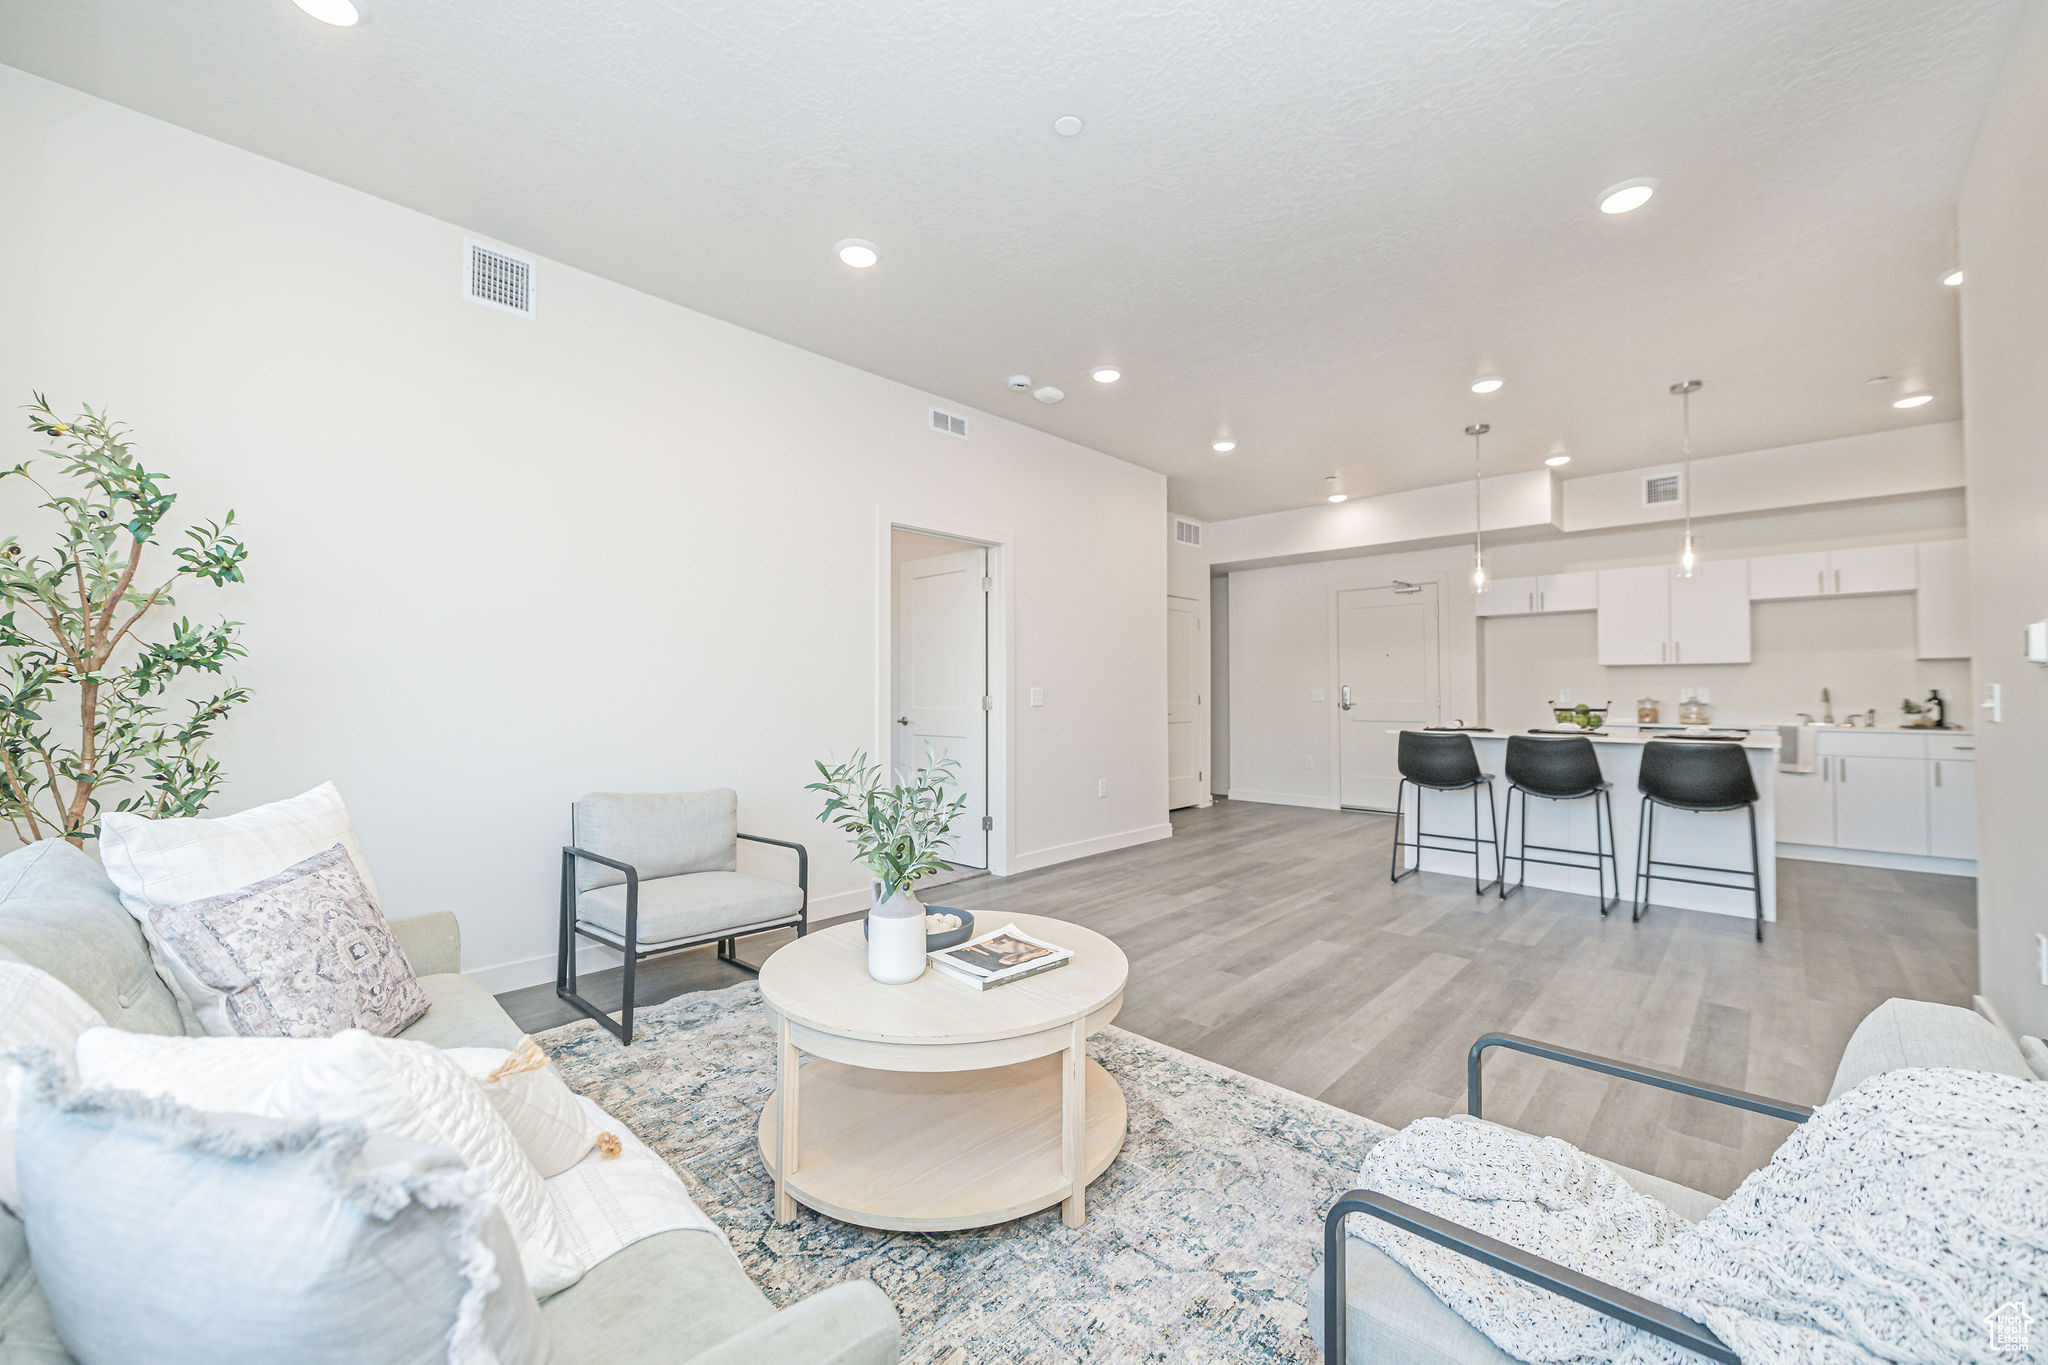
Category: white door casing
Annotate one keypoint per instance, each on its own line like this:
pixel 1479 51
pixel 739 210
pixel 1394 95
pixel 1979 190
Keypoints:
pixel 1389 673
pixel 1187 711
pixel 941 681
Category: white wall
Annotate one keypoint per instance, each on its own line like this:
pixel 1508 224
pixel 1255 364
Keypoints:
pixel 1282 648
pixel 2005 417
pixel 1500 670
pixel 496 563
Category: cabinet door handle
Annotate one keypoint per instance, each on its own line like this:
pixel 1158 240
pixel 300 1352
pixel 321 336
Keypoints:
pixel 1937 772
pixel 1532 601
pixel 1841 770
pixel 1678 651
pixel 1838 580
pixel 1820 580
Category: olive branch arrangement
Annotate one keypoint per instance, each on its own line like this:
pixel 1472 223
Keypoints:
pixel 897 830
pixel 66 615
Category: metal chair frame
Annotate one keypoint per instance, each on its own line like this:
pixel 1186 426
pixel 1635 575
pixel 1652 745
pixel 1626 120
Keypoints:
pixel 1602 858
pixel 1546 1274
pixel 1394 873
pixel 1646 865
pixel 572 929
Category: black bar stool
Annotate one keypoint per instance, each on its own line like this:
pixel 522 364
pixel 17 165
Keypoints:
pixel 1563 769
pixel 1697 777
pixel 1442 763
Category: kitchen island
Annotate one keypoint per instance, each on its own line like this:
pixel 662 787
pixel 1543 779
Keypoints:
pixel 1706 838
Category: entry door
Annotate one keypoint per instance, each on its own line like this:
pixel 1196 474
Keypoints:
pixel 1187 715
pixel 942 681
pixel 1387 676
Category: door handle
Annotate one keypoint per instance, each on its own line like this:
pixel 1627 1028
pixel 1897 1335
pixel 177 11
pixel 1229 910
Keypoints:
pixel 903 720
pixel 1344 701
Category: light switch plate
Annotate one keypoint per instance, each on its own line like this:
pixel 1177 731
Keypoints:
pixel 1038 696
pixel 1315 694
pixel 1992 702
pixel 2037 642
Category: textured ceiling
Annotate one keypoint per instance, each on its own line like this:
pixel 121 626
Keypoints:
pixel 1306 224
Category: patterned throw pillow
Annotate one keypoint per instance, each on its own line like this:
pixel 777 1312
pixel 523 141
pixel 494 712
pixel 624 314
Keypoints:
pixel 302 954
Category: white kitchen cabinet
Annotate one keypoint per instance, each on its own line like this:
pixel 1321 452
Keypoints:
pixel 1941 601
pixel 1710 614
pixel 1568 591
pixel 1806 806
pixel 1635 615
pixel 1881 803
pixel 1506 597
pixel 1952 801
pixel 1801 575
pixel 1872 568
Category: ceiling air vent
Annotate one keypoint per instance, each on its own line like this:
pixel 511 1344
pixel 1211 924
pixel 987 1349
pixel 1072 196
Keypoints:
pixel 949 423
pixel 1661 489
pixel 497 279
pixel 1186 532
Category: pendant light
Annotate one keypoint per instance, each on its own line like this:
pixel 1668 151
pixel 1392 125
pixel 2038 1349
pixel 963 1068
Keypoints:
pixel 1686 557
pixel 1475 431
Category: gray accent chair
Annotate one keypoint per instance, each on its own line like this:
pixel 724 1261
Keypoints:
pixel 655 873
pixel 678 1298
pixel 1364 1305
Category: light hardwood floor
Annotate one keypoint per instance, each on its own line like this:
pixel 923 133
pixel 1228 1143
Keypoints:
pixel 1267 938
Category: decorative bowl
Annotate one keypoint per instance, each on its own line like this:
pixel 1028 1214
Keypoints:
pixel 952 938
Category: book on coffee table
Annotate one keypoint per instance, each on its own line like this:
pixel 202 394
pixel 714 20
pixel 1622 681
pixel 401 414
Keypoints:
pixel 996 959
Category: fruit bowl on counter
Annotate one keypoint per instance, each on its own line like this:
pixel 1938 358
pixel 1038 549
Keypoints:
pixel 1584 716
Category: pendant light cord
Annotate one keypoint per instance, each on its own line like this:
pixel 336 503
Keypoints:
pixel 1475 431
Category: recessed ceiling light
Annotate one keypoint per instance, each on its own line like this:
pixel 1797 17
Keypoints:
pixel 1048 394
pixel 1223 447
pixel 1105 374
pixel 1556 460
pixel 1335 494
pixel 856 253
pixel 1339 497
pixel 1877 379
pixel 1490 384
pixel 340 13
pixel 1627 196
pixel 1953 278
pixel 1066 125
pixel 1913 400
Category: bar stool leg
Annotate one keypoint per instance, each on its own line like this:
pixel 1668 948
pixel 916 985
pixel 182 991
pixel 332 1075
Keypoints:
pixel 1394 873
pixel 1613 849
pixel 1509 821
pixel 1493 823
pixel 1645 827
pixel 1756 875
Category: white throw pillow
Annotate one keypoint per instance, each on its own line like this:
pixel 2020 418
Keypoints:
pixel 170 862
pixel 414 1091
pixel 213 1075
pixel 542 1111
pixel 390 1085
pixel 36 1010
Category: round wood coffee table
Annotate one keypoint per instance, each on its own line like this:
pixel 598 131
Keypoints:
pixel 933 1106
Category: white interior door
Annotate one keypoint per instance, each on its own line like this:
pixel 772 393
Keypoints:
pixel 941 681
pixel 1187 712
pixel 1387 675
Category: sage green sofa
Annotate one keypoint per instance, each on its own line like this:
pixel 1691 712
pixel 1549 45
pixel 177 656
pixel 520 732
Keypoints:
pixel 679 1298
pixel 1392 1318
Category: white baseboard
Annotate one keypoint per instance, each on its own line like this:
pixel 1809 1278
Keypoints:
pixel 1283 799
pixel 538 970
pixel 1897 862
pixel 1107 843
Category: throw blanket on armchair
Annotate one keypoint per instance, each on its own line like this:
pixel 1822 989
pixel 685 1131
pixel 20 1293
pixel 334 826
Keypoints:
pixel 1901 1223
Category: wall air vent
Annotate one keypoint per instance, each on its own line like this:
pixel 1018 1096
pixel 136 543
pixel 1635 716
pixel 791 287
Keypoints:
pixel 1186 532
pixel 949 423
pixel 1660 490
pixel 496 278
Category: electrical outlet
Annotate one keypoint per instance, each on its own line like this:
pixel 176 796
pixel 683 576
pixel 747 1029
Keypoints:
pixel 1702 695
pixel 1102 786
pixel 1993 702
pixel 1564 696
pixel 1038 696
pixel 1308 760
pixel 1315 694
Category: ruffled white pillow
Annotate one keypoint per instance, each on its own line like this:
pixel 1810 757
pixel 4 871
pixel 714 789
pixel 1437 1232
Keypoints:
pixel 390 1085
pixel 537 1105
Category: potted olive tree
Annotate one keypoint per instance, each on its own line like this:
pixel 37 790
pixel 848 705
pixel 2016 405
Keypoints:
pixel 89 657
pixel 898 830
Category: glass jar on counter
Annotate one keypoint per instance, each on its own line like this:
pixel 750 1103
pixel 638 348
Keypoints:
pixel 1694 712
pixel 1646 711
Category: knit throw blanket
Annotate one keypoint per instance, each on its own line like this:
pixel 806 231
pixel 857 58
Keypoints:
pixel 1906 1221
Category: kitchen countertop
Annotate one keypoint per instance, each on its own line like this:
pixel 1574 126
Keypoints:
pixel 1751 741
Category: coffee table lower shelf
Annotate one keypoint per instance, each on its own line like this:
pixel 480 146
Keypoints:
pixel 937 1151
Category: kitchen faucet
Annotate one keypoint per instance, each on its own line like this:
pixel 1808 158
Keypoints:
pixel 1827 702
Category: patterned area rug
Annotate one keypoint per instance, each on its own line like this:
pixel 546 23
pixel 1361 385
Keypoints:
pixel 1199 1237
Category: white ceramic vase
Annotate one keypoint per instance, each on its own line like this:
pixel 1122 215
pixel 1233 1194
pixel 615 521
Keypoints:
pixel 895 937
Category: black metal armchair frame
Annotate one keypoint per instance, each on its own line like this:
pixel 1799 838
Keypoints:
pixel 1598 1295
pixel 572 929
